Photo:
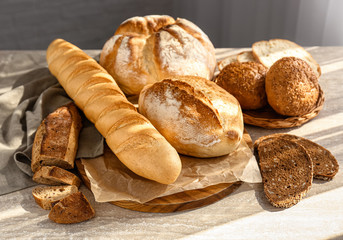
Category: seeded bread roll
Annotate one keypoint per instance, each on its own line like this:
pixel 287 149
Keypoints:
pixel 286 170
pixel 226 61
pixel 246 82
pixel 148 49
pixel 292 87
pixel 195 115
pixel 268 52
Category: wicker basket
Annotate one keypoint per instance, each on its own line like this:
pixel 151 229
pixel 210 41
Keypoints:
pixel 268 118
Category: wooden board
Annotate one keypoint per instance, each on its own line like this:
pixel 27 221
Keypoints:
pixel 186 200
pixel 182 201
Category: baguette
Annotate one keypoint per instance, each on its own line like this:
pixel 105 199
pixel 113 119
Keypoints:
pixel 130 136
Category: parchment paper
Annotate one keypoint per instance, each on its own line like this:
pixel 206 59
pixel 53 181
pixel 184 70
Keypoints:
pixel 111 181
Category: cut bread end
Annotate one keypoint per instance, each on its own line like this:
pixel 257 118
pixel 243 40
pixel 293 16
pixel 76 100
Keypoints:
pixel 47 196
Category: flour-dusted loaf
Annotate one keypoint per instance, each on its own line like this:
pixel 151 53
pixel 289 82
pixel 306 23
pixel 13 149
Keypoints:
pixel 325 165
pixel 195 115
pixel 52 175
pixel 148 49
pixel 292 87
pixel 286 170
pixel 47 196
pixel 131 137
pixel 74 208
pixel 268 52
pixel 56 139
pixel 246 82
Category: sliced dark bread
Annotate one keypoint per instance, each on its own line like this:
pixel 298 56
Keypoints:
pixel 52 175
pixel 72 209
pixel 286 170
pixel 325 165
pixel 47 196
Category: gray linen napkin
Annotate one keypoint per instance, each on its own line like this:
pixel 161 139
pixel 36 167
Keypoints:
pixel 22 108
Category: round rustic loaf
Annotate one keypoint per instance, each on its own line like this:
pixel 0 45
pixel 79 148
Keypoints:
pixel 292 87
pixel 195 115
pixel 148 49
pixel 246 82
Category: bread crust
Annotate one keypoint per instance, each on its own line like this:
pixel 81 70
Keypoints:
pixel 56 139
pixel 246 82
pixel 52 175
pixel 46 196
pixel 286 170
pixel 292 87
pixel 325 165
pixel 74 208
pixel 147 49
pixel 195 115
pixel 268 52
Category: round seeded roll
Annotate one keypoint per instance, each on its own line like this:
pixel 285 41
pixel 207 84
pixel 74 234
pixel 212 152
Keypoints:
pixel 148 49
pixel 245 81
pixel 292 87
pixel 195 115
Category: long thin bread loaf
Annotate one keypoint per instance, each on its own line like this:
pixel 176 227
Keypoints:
pixel 129 134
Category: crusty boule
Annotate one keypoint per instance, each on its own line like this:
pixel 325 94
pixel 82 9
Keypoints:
pixel 292 87
pixel 245 81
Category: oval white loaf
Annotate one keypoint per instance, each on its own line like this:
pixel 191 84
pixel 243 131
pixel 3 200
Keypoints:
pixel 148 49
pixel 129 134
pixel 195 115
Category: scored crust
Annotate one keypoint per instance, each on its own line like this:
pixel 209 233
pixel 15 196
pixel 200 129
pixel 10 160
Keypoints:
pixel 286 170
pixel 148 49
pixel 195 115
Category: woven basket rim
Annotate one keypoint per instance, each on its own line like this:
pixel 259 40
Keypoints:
pixel 286 122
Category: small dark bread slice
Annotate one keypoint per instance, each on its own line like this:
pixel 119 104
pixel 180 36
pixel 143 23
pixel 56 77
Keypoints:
pixel 52 175
pixel 46 196
pixel 286 170
pixel 325 165
pixel 72 209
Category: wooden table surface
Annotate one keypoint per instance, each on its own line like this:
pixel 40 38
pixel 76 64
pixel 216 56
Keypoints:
pixel 245 214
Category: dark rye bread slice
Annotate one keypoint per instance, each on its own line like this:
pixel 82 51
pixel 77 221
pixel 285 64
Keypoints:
pixel 74 208
pixel 52 175
pixel 325 165
pixel 286 170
